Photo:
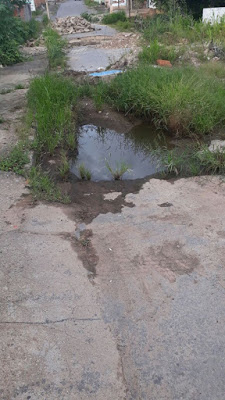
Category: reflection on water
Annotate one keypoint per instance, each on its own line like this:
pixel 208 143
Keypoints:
pixel 97 145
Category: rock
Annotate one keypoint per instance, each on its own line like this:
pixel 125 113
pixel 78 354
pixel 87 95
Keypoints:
pixel 164 63
pixel 217 145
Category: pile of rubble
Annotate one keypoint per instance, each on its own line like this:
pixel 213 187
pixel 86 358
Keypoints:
pixel 70 25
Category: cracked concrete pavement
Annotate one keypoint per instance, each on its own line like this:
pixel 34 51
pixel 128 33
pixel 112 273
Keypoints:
pixel 149 326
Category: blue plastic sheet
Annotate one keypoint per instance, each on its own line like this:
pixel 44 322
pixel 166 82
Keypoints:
pixel 104 73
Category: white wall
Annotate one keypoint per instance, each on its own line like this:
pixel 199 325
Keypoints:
pixel 151 4
pixel 213 14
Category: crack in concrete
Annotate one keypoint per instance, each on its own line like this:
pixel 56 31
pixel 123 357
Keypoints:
pixel 47 321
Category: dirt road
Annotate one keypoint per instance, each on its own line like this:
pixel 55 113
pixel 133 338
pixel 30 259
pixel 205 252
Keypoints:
pixel 125 305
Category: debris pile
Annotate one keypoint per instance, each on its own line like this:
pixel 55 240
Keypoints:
pixel 71 25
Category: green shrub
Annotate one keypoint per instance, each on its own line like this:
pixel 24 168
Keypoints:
pixel 52 99
pixel 182 100
pixel 14 32
pixel 55 45
pixel 114 18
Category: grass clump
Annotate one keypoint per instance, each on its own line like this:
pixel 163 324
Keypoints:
pixel 55 45
pixel 85 173
pixel 91 3
pixel 51 100
pixel 64 168
pixel 182 100
pixel 45 20
pixel 16 160
pixel 113 18
pixel 44 188
pixel 157 51
pixel 195 160
pixel 19 86
pixel 118 172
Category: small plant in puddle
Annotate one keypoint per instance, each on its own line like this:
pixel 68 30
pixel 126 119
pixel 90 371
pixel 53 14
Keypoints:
pixel 119 171
pixel 2 120
pixel 85 173
pixel 64 168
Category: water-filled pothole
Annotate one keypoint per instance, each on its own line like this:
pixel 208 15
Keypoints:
pixel 98 147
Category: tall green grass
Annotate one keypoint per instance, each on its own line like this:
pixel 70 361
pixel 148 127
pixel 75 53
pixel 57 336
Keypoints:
pixel 183 100
pixel 158 51
pixel 55 45
pixel 52 99
pixel 169 30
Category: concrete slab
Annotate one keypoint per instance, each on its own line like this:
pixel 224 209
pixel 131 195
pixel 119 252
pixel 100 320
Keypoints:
pixel 54 342
pixel 89 59
pixel 162 280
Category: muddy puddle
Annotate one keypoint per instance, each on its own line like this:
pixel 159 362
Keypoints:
pixel 100 148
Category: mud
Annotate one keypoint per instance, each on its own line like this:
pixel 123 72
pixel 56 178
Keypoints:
pixel 88 198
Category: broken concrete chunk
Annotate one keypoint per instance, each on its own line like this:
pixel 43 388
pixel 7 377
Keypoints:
pixel 217 145
pixel 71 25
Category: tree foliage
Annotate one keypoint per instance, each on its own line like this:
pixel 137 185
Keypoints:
pixel 13 31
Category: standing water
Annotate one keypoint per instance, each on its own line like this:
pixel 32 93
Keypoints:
pixel 99 148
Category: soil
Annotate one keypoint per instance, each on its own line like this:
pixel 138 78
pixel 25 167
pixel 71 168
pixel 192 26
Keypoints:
pixel 88 201
pixel 106 118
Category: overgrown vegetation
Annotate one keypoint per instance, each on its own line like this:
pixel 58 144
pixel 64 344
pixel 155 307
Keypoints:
pixel 156 51
pixel 55 45
pixel 175 28
pixel 181 100
pixel 52 100
pixel 195 160
pixel 13 33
